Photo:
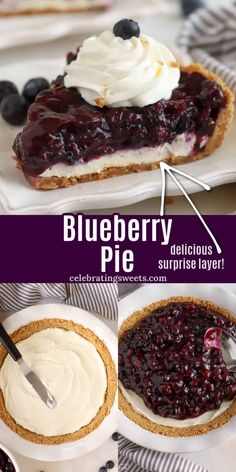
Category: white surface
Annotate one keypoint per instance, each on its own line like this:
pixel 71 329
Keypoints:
pixel 139 299
pixel 219 201
pixel 22 30
pixel 108 426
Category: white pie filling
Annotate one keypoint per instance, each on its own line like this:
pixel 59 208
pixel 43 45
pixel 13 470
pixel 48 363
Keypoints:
pixel 139 406
pixel 72 370
pixel 181 146
pixel 37 5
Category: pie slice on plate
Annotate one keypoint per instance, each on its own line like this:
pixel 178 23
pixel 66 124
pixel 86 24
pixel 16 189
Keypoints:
pixel 123 105
pixel 23 7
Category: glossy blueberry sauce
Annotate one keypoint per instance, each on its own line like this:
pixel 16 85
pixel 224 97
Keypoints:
pixel 163 360
pixel 63 128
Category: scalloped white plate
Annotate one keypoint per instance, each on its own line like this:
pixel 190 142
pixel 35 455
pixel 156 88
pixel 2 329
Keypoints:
pixel 17 197
pixel 108 426
pixel 138 300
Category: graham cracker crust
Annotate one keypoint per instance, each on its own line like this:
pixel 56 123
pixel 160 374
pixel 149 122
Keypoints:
pixel 145 423
pixel 222 125
pixel 36 326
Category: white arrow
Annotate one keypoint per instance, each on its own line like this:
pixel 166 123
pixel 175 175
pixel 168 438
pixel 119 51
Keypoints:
pixel 165 167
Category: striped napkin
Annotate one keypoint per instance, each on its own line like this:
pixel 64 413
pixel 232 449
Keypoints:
pixel 209 36
pixel 98 298
pixel 133 458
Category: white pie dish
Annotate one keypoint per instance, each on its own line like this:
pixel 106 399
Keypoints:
pixel 108 426
pixel 136 301
pixel 10 455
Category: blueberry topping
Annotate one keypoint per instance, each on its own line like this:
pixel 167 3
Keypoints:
pixel 126 29
pixel 115 436
pixel 164 360
pixel 62 127
pixel 33 87
pixel 6 463
pixel 7 88
pixel 110 465
pixel 14 109
pixel 103 469
pixel 189 6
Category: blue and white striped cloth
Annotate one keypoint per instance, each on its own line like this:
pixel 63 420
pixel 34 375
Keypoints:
pixel 209 37
pixel 133 458
pixel 98 298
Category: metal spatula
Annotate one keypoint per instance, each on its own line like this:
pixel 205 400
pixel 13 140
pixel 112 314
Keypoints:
pixel 30 376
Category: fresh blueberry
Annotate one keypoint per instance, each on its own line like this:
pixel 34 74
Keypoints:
pixel 110 465
pixel 14 109
pixel 7 88
pixel 189 6
pixel 126 29
pixel 115 436
pixel 33 87
pixel 103 469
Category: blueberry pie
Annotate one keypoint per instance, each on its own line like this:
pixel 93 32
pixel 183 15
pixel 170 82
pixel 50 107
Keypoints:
pixel 77 367
pixel 123 105
pixel 26 7
pixel 170 381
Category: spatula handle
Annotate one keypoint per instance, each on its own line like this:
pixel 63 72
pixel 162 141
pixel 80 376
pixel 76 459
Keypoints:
pixel 9 344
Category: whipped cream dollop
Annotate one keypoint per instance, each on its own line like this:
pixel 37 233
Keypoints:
pixel 115 72
pixel 72 370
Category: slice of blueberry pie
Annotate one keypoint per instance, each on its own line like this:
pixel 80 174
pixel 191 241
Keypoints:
pixel 123 105
pixel 174 379
pixel 23 7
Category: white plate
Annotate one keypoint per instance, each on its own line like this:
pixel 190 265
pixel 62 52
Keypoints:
pixel 136 301
pixel 23 30
pixel 108 426
pixel 17 197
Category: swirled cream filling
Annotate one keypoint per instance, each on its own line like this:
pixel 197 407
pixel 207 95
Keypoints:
pixel 73 371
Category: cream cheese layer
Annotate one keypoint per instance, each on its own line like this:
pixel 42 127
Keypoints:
pixel 73 371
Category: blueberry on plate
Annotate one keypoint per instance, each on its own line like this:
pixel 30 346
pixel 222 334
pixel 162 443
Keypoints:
pixel 33 87
pixel 7 88
pixel 126 29
pixel 115 436
pixel 14 109
pixel 103 469
pixel 110 465
pixel 189 6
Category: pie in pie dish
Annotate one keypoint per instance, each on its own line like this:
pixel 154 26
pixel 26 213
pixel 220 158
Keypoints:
pixel 75 365
pixel 123 106
pixel 30 7
pixel 170 382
